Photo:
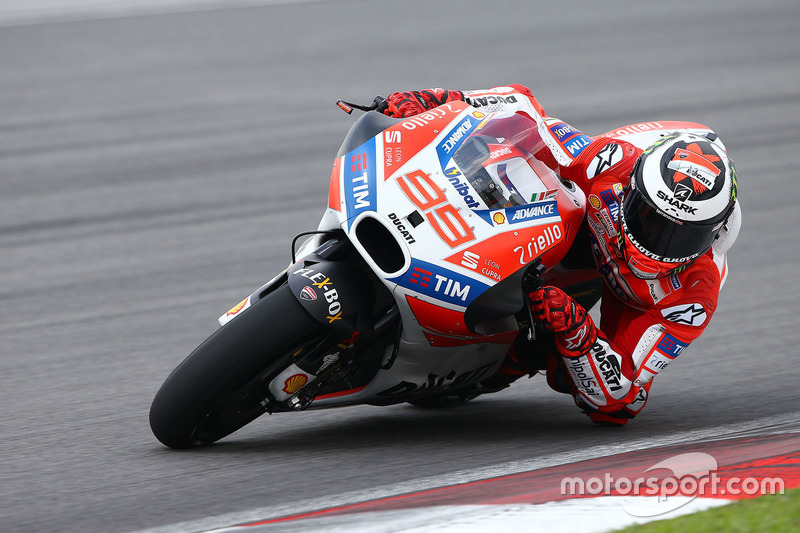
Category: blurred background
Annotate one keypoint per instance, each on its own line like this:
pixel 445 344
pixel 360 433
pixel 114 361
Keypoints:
pixel 156 159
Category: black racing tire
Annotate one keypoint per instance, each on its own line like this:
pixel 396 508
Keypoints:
pixel 219 387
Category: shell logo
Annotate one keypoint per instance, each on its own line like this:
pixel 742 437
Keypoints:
pixel 478 114
pixel 595 201
pixel 499 218
pixel 294 383
pixel 238 307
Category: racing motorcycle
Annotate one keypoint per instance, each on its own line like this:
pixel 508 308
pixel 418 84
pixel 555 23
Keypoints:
pixel 412 287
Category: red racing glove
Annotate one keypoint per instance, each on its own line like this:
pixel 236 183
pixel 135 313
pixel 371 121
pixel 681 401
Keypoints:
pixel 410 103
pixel 574 328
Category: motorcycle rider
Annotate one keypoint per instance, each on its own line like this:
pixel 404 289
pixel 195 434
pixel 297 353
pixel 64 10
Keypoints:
pixel 660 222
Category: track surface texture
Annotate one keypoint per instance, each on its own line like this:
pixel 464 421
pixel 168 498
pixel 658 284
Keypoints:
pixel 154 168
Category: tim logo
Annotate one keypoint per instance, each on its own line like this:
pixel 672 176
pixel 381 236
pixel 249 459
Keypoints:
pixel 670 346
pixel 359 162
pixel 440 283
pixel 359 180
pixel 420 277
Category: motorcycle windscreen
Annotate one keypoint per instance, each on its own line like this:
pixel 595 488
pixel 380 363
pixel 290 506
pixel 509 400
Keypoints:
pixel 505 161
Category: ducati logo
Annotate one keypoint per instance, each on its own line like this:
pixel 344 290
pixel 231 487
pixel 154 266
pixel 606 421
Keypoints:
pixel 308 294
pixel 694 170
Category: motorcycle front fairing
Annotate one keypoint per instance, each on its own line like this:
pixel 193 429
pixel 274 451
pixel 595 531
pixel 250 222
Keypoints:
pixel 442 207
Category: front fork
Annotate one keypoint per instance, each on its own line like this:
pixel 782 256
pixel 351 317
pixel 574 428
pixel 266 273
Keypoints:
pixel 337 289
pixel 336 365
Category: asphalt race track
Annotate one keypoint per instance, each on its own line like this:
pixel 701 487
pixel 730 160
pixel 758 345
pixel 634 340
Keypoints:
pixel 153 170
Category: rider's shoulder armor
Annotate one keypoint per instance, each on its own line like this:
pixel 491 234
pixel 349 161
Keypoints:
pixel 602 158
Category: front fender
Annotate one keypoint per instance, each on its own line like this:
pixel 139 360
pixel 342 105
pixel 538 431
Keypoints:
pixel 336 294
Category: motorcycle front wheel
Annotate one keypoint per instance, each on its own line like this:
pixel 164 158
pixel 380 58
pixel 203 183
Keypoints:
pixel 222 385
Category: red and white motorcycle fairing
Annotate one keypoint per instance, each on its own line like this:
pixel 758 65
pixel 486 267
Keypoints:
pixel 456 243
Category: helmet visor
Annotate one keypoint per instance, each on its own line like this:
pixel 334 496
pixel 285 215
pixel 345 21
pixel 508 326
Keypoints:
pixel 660 237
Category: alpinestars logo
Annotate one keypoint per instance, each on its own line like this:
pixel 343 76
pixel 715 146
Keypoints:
pixel 610 155
pixel 574 342
pixel 695 166
pixel 691 315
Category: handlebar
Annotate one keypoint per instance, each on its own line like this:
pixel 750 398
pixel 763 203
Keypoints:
pixel 378 104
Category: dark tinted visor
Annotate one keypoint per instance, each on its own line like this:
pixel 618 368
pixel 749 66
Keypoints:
pixel 667 240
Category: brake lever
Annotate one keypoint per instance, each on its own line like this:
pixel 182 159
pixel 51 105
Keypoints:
pixel 532 281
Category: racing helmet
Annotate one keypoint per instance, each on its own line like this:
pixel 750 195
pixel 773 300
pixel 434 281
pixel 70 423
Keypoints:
pixel 682 191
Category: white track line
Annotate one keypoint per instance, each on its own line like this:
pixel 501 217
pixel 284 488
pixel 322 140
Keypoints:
pixel 785 423
pixel 583 515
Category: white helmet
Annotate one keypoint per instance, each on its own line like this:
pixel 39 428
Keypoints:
pixel 682 190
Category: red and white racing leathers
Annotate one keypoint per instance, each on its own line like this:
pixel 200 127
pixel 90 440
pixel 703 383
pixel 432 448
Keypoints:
pixel 645 323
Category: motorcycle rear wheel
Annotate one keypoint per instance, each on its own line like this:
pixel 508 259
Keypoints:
pixel 219 388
